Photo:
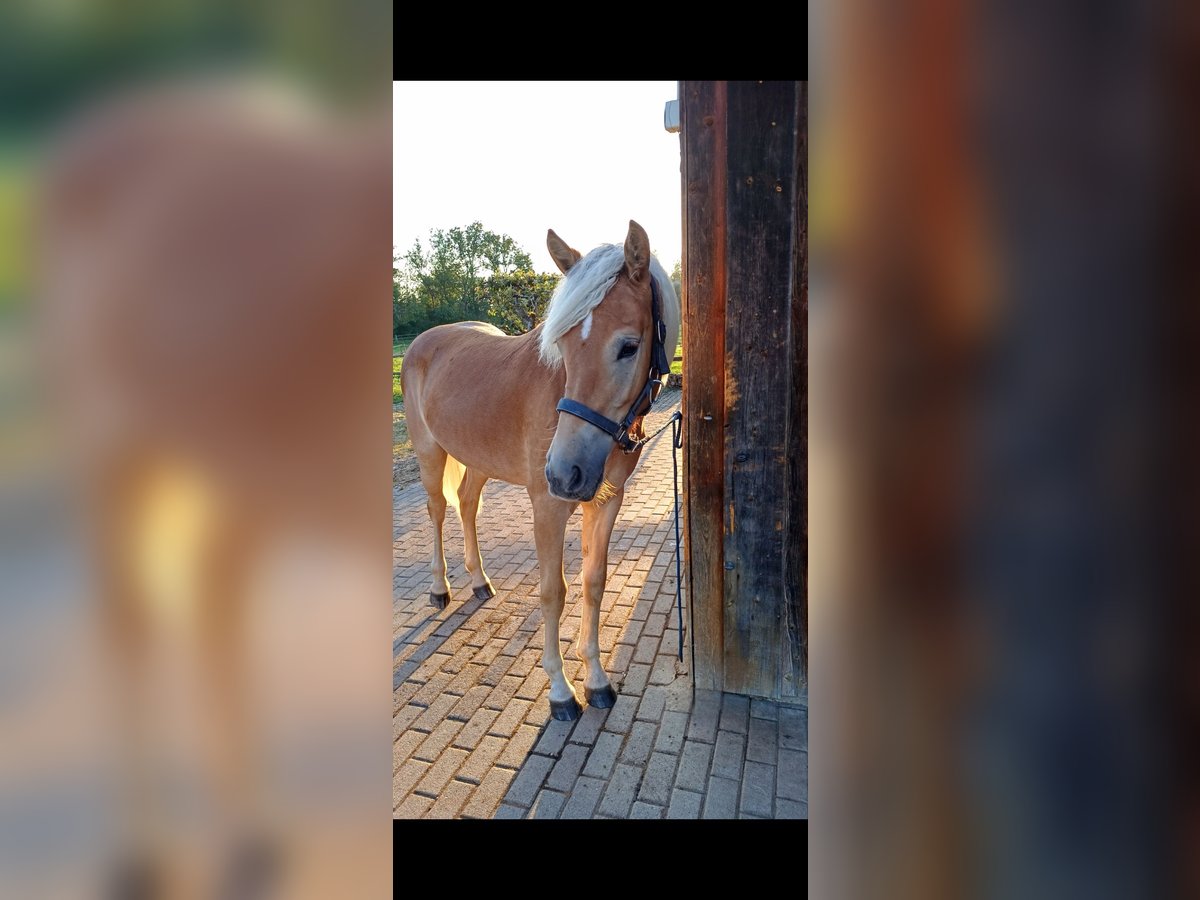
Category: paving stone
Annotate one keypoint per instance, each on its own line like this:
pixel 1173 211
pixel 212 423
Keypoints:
pixel 764 709
pixel 533 685
pixel 476 728
pixel 452 799
pixel 720 800
pixel 405 779
pixel 793 727
pixel 587 729
pixel 706 713
pixel 554 737
pixel 790 809
pixel 565 771
pixel 603 755
pixel 488 795
pixel 435 690
pixel 684 805
pixel 793 775
pixel 735 712
pixel 647 649
pixel 435 713
pixel 630 634
pixel 503 692
pixel 645 811
pixel 525 663
pixel 519 747
pixel 584 797
pixel 621 791
pixel 758 789
pixel 438 740
pixel 413 807
pixel 671 731
pixel 547 805
pixel 658 778
pixel 654 702
pixel 620 717
pixel 528 782
pixel 639 743
pixel 693 766
pixel 635 679
pixel 469 703
pixel 481 760
pixel 761 742
pixel 729 754
pixel 403 746
pixel 505 724
pixel 441 772
pixel 497 669
pixel 617 663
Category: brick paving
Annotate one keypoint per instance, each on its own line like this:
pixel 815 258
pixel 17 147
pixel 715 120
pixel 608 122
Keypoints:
pixel 472 732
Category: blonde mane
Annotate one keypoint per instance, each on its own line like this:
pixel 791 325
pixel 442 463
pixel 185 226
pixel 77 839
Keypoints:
pixel 586 285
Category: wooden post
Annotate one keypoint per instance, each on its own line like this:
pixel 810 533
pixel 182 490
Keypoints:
pixel 745 404
pixel 703 129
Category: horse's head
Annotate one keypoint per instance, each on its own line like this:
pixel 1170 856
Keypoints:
pixel 607 357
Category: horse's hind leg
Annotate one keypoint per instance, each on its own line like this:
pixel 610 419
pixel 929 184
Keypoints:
pixel 470 499
pixel 598 524
pixel 549 525
pixel 432 459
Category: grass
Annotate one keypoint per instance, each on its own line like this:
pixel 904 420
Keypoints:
pixel 401 445
pixel 398 350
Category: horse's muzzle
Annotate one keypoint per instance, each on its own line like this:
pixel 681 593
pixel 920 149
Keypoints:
pixel 575 479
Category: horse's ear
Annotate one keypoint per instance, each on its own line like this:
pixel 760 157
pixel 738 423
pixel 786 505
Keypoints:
pixel 637 252
pixel 564 257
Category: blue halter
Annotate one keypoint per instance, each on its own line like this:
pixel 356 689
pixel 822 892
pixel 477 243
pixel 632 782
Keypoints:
pixel 660 364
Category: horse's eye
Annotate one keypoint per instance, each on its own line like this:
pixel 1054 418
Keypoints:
pixel 627 350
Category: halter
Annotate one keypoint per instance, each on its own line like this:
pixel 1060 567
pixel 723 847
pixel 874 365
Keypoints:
pixel 659 366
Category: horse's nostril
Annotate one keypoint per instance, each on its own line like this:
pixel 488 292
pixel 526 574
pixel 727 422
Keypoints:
pixel 576 478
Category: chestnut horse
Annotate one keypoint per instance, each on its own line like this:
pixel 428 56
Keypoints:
pixel 558 410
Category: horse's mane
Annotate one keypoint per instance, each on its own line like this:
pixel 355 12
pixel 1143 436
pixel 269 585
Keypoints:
pixel 589 282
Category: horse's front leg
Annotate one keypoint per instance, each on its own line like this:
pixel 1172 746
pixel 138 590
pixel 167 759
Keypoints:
pixel 550 517
pixel 598 524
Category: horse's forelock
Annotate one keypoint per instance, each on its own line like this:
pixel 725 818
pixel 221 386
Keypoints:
pixel 586 285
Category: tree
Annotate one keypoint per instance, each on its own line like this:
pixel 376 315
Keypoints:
pixel 444 284
pixel 517 301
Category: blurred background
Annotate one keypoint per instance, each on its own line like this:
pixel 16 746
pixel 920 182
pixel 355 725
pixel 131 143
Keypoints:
pixel 194 451
pixel 1002 444
pixel 1003 345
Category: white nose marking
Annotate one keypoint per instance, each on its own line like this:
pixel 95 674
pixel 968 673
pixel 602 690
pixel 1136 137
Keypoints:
pixel 587 326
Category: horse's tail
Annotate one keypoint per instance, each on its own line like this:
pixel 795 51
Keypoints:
pixel 451 478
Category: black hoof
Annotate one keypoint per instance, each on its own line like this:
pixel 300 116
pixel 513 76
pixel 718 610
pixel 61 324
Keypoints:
pixel 601 698
pixel 565 710
pixel 441 601
pixel 485 592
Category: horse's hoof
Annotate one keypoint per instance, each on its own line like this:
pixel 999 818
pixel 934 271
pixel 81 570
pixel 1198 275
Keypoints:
pixel 565 710
pixel 484 592
pixel 601 698
pixel 441 601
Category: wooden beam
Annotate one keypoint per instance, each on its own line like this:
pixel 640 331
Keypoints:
pixel 758 380
pixel 703 120
pixel 794 659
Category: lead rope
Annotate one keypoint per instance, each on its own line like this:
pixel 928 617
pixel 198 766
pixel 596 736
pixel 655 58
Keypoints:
pixel 676 444
pixel 675 423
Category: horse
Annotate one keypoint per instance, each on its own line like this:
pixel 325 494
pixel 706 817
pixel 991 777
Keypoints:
pixel 209 278
pixel 557 410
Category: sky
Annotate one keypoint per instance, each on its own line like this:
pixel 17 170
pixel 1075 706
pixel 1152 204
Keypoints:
pixel 582 158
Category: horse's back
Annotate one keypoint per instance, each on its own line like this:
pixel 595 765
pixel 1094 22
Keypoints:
pixel 441 346
pixel 460 381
